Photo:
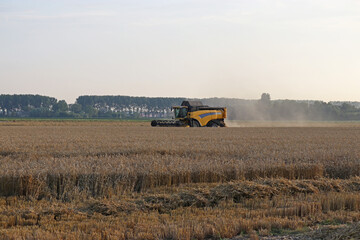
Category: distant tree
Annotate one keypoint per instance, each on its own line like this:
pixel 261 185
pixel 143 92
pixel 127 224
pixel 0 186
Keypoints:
pixel 90 111
pixel 41 112
pixel 60 106
pixel 345 107
pixel 76 108
pixel 263 107
pixel 265 97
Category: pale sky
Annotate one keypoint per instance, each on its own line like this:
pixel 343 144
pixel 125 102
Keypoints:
pixel 308 49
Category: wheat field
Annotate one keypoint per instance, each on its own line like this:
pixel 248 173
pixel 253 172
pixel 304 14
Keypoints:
pixel 126 180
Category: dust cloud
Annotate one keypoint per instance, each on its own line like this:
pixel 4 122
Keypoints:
pixel 244 124
pixel 284 113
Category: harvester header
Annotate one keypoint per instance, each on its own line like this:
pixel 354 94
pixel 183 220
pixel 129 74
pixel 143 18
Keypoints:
pixel 194 114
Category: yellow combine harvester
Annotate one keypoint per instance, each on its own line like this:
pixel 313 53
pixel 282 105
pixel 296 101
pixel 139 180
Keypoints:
pixel 194 114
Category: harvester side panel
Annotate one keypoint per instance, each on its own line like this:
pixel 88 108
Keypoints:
pixel 205 116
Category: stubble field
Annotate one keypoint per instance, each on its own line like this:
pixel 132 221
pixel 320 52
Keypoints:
pixel 123 180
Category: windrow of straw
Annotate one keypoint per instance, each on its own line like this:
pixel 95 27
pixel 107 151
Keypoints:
pixel 64 185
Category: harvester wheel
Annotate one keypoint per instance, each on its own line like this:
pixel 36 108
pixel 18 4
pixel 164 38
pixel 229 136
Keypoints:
pixel 213 124
pixel 195 123
pixel 222 124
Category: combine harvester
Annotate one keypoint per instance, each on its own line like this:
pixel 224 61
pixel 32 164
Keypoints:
pixel 194 114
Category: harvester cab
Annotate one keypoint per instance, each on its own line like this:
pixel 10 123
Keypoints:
pixel 194 114
pixel 180 112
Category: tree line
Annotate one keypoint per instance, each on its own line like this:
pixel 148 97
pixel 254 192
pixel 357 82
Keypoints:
pixel 263 109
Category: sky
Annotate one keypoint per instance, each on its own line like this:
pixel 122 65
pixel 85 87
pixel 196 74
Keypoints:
pixel 292 49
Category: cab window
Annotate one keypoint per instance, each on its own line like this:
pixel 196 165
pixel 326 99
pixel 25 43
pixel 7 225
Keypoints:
pixel 180 112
